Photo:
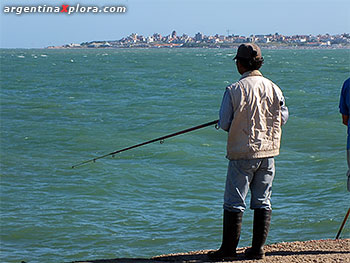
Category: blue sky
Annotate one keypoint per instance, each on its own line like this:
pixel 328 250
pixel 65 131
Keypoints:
pixel 146 17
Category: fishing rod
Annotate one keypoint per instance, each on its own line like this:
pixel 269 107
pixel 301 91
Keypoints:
pixel 342 225
pixel 161 139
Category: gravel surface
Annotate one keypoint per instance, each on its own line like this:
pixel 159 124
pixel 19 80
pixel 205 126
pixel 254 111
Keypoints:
pixel 315 251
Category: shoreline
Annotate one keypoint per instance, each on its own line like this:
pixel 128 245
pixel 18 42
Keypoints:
pixel 268 47
pixel 178 48
pixel 322 251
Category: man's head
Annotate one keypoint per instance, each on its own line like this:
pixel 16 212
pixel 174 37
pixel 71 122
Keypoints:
pixel 248 58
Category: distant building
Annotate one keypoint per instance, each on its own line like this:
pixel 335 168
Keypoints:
pixel 150 39
pixel 301 40
pixel 264 40
pixel 157 37
pixel 105 44
pixel 72 45
pixel 133 37
pixel 199 36
pixel 239 39
pixel 173 34
pixel 251 39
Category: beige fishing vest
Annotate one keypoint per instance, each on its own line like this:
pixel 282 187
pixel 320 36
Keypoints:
pixel 255 130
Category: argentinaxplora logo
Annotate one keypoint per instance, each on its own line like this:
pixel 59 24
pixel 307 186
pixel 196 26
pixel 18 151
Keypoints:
pixel 64 9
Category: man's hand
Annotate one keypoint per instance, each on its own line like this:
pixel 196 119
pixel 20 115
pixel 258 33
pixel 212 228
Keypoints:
pixel 345 119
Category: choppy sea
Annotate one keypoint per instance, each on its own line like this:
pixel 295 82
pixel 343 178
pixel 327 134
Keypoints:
pixel 61 107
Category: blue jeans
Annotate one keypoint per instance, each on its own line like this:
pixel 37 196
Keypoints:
pixel 256 174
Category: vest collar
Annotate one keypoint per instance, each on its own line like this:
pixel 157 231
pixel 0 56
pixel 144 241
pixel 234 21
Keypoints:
pixel 250 74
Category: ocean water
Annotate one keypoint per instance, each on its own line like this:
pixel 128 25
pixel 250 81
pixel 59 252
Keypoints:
pixel 61 107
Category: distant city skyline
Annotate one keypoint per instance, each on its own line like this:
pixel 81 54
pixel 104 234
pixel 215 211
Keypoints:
pixel 174 40
pixel 189 17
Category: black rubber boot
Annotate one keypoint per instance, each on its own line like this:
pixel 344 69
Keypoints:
pixel 232 224
pixel 261 226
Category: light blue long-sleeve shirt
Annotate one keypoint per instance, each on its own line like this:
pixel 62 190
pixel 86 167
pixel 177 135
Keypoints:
pixel 344 105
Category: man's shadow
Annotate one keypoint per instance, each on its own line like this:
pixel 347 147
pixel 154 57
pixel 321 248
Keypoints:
pixel 201 257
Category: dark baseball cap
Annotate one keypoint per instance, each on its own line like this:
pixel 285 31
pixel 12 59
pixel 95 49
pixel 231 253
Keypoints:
pixel 248 51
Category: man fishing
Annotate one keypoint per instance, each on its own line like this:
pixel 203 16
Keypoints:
pixel 344 108
pixel 252 112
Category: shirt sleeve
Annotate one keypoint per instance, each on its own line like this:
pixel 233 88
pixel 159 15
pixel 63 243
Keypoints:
pixel 284 112
pixel 343 104
pixel 226 112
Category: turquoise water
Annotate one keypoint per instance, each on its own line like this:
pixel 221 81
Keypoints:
pixel 60 107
